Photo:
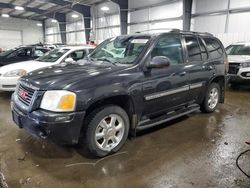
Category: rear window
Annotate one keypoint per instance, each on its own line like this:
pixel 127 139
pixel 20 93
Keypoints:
pixel 214 48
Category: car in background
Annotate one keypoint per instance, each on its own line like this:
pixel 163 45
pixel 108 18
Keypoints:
pixel 239 63
pixel 9 74
pixel 23 53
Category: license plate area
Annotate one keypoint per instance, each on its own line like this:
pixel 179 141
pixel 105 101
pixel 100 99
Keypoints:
pixel 16 119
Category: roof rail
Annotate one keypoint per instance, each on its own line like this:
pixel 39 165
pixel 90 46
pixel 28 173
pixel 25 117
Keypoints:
pixel 201 33
pixel 160 29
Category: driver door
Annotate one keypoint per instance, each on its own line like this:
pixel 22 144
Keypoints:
pixel 166 88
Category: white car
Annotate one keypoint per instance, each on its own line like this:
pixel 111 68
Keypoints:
pixel 239 63
pixel 10 74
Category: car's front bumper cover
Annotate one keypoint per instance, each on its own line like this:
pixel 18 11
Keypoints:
pixel 238 79
pixel 60 128
pixel 8 83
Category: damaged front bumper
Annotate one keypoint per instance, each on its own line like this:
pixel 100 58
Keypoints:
pixel 60 128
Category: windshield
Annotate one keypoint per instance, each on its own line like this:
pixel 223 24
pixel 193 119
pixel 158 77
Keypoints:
pixel 238 50
pixel 7 52
pixel 53 55
pixel 120 50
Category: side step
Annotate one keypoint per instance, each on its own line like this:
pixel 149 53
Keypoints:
pixel 165 118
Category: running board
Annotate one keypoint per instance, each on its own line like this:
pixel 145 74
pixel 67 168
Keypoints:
pixel 165 118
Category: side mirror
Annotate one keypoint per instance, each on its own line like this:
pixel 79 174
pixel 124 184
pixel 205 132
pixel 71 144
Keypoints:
pixel 159 62
pixel 69 60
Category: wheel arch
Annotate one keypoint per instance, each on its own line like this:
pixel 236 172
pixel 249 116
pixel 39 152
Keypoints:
pixel 221 80
pixel 124 101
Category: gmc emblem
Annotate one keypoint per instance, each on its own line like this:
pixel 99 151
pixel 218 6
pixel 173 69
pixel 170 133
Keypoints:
pixel 22 94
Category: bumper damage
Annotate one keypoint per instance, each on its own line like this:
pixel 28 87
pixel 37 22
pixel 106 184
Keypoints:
pixel 60 128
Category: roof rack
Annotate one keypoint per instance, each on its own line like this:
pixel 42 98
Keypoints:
pixel 201 33
pixel 160 29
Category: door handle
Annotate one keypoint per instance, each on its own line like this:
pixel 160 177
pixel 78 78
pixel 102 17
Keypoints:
pixel 183 73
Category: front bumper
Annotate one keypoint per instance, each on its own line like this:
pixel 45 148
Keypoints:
pixel 8 83
pixel 242 76
pixel 60 128
pixel 238 79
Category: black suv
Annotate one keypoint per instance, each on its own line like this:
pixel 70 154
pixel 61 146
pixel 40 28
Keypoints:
pixel 126 84
pixel 23 53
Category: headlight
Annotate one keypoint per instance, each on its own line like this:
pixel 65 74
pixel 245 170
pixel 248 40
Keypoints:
pixel 15 73
pixel 246 64
pixel 58 101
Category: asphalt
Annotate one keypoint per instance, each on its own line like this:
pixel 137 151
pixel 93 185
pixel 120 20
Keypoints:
pixel 198 150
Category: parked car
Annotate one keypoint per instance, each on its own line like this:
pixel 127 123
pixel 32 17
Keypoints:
pixel 9 74
pixel 23 53
pixel 156 78
pixel 239 63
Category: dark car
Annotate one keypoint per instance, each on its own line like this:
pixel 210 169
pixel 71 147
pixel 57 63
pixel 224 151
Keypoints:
pixel 128 83
pixel 23 53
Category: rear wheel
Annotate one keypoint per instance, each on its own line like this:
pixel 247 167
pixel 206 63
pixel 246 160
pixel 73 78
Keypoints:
pixel 106 130
pixel 212 98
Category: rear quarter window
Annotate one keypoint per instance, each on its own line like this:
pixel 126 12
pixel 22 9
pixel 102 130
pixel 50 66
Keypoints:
pixel 214 48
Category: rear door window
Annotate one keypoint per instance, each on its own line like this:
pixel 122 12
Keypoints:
pixel 193 49
pixel 214 48
pixel 24 52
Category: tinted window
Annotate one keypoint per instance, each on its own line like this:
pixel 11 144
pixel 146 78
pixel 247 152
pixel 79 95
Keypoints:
pixel 203 50
pixel 23 52
pixel 169 46
pixel 8 52
pixel 77 55
pixel 238 50
pixel 214 48
pixel 193 49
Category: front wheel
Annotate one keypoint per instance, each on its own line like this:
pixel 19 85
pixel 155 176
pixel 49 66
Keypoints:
pixel 212 98
pixel 106 130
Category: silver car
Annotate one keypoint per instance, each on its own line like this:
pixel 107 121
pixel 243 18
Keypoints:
pixel 239 63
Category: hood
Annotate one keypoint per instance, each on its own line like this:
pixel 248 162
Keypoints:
pixel 63 76
pixel 26 65
pixel 238 58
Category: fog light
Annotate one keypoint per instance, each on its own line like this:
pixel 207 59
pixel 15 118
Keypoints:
pixel 63 118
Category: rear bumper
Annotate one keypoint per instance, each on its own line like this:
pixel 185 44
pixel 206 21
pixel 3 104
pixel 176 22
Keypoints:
pixel 60 128
pixel 8 83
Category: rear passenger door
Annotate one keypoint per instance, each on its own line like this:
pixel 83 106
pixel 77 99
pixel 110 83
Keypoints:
pixel 199 68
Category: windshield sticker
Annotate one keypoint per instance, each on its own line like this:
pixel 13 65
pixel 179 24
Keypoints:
pixel 141 41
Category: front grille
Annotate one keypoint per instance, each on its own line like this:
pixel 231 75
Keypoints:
pixel 233 68
pixel 25 94
pixel 8 86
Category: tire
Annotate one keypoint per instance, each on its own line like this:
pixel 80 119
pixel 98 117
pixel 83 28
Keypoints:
pixel 100 131
pixel 209 106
